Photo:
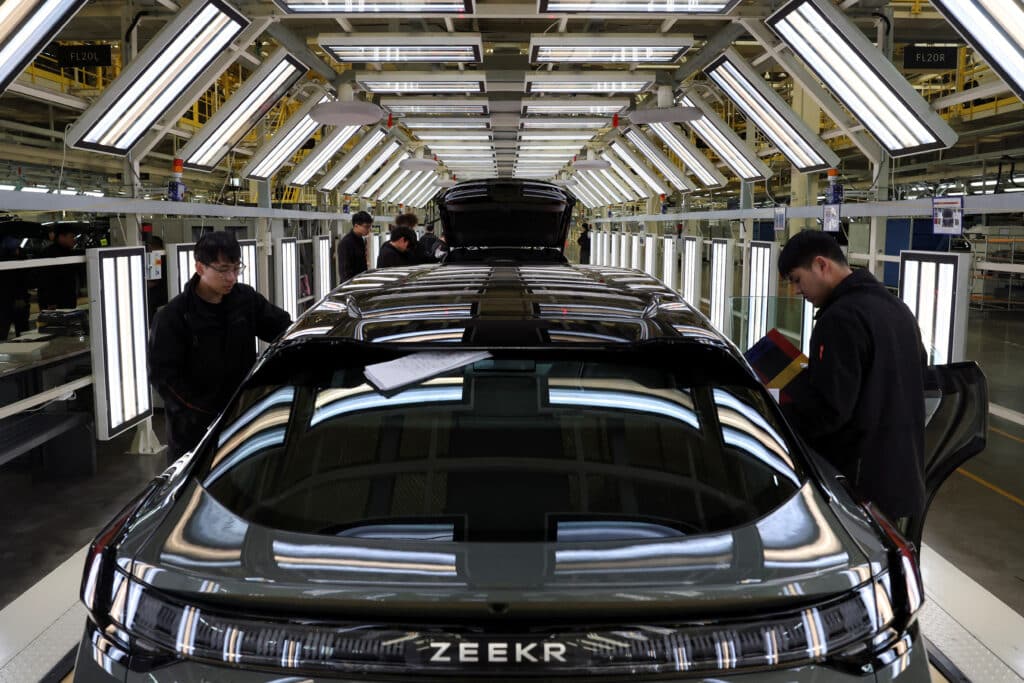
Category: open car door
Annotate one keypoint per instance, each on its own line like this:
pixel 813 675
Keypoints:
pixel 956 415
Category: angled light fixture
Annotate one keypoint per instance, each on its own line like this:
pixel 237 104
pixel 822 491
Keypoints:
pixel 696 162
pixel 26 27
pixel 273 154
pixel 616 48
pixel 376 6
pixel 385 194
pixel 320 155
pixel 720 137
pixel 673 173
pixel 404 185
pixel 148 86
pixel 443 122
pixel 612 179
pixel 423 82
pixel 415 188
pixel 383 176
pixel 431 48
pixel 475 136
pixel 591 163
pixel 578 123
pixel 587 82
pixel 371 167
pixel 620 170
pixel 633 162
pixel 584 195
pixel 636 6
pixel 435 105
pixel 588 182
pixel 766 108
pixel 609 189
pixel 243 110
pixel 348 163
pixel 862 77
pixel 585 106
pixel 423 192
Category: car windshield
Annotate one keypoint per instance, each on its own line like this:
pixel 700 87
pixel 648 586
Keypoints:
pixel 523 447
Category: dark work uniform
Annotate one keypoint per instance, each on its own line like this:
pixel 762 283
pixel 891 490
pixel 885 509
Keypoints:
pixel 584 242
pixel 58 285
pixel 390 256
pixel 200 352
pixel 865 408
pixel 351 256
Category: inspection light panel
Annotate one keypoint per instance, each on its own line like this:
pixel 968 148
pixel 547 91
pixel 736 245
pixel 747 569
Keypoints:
pixel 650 255
pixel 673 173
pixel 181 264
pixel 590 82
pixel 447 122
pixel 721 284
pixel 423 82
pixel 457 7
pixel 26 27
pixel 273 154
pixel 762 287
pixel 862 77
pixel 766 108
pixel 619 48
pixel 692 261
pixel 372 167
pixel 118 327
pixel 624 250
pixel 322 265
pixel 936 288
pixel 544 124
pixel 620 170
pixel 636 6
pixel 243 110
pixel 320 155
pixel 668 261
pixel 148 86
pixel 807 327
pixel 696 162
pixel 633 162
pixel 429 48
pixel 249 276
pixel 435 105
pixel 720 137
pixel 635 246
pixel 343 168
pixel 286 291
pixel 583 106
pixel 614 245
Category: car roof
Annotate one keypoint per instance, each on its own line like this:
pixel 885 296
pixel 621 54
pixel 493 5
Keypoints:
pixel 506 304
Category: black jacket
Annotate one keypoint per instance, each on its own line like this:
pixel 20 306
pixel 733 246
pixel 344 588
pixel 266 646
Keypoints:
pixel 200 352
pixel 390 256
pixel 351 256
pixel 58 285
pixel 864 411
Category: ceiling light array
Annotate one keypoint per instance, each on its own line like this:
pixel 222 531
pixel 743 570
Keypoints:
pixel 442 122
pixel 320 155
pixel 148 86
pixel 429 48
pixel 423 82
pixel 720 137
pixel 273 154
pixel 623 173
pixel 633 48
pixel 243 110
pixel 590 82
pixel 637 6
pixel 403 185
pixel 435 105
pixel 371 167
pixel 376 6
pixel 583 106
pixel 867 83
pixel 546 124
pixel 385 174
pixel 26 27
pixel 696 162
pixel 340 171
pixel 632 161
pixel 661 162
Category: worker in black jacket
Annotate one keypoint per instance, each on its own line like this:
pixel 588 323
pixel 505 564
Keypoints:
pixel 203 342
pixel 352 247
pixel 399 249
pixel 864 404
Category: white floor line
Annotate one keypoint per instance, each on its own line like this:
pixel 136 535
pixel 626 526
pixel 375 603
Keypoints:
pixel 992 622
pixel 1006 413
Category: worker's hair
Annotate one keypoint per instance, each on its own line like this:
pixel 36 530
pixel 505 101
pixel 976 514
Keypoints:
pixel 401 231
pixel 362 218
pixel 218 245
pixel 408 220
pixel 804 246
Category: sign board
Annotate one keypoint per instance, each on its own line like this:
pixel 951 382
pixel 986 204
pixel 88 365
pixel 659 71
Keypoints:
pixel 830 219
pixel 948 215
pixel 70 56
pixel 930 57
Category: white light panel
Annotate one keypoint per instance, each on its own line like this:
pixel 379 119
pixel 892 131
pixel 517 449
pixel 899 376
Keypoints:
pixel 692 261
pixel 615 48
pixel 591 83
pixel 720 137
pixel 696 162
pixel 619 187
pixel 172 61
pixel 249 276
pixel 806 327
pixel 400 185
pixel 621 172
pixel 673 173
pixel 762 287
pixel 286 293
pixel 549 123
pixel 181 264
pixel 26 27
pixel 273 154
pixel 638 167
pixel 668 261
pixel 635 246
pixel 867 83
pixel 593 190
pixel 613 249
pixel 650 255
pixel 322 265
pixel 721 284
pixel 450 122
pixel 385 174
pixel 766 108
pixel 936 288
pixel 118 331
pixel 320 155
pixel 457 7
pixel 343 168
pixel 624 250
pixel 423 82
pixel 435 105
pixel 594 106
pixel 636 6
pixel 371 167
pixel 416 187
pixel 430 48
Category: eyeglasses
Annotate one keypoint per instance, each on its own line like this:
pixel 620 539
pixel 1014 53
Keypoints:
pixel 224 271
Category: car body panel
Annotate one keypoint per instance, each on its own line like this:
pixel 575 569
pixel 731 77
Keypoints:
pixel 506 213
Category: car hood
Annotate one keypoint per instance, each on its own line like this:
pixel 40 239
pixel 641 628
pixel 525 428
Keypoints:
pixel 506 213
pixel 200 551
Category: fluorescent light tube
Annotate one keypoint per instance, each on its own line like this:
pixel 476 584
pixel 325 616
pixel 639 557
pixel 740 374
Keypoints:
pixel 455 137
pixel 272 154
pixel 403 184
pixel 348 163
pixel 243 110
pixel 592 82
pixel 695 161
pixel 149 85
pixel 423 82
pixel 586 106
pixel 720 137
pixel 621 171
pixel 371 167
pixel 435 105
pixel 415 187
pixel 621 188
pixel 615 48
pixel 431 48
pixel 633 162
pixel 386 192
pixel 587 183
pixel 458 7
pixel 766 108
pixel 320 155
pixel 576 123
pixel 862 77
pixel 608 188
pixel 442 122
pixel 385 174
pixel 636 6
pixel 660 161
pixel 461 148
pixel 26 27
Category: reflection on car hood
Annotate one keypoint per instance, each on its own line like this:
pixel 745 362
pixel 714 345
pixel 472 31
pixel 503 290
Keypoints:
pixel 202 551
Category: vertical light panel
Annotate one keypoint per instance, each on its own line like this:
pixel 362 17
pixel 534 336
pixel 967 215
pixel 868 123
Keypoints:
pixel 118 328
pixel 806 327
pixel 181 264
pixel 691 267
pixel 936 288
pixel 721 284
pixel 273 154
pixel 375 240
pixel 624 251
pixel 635 246
pixel 613 251
pixel 762 288
pixel 668 261
pixel 650 254
pixel 249 276
pixel 286 274
pixel 322 265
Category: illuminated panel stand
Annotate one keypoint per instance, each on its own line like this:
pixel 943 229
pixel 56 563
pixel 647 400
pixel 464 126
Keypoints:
pixel 250 275
pixel 375 240
pixel 668 261
pixel 721 284
pixel 690 286
pixel 322 265
pixel 761 286
pixel 181 264
pixel 604 253
pixel 613 251
pixel 936 287
pixel 806 327
pixel 635 247
pixel 286 273
pixel 650 255
pixel 118 329
pixel 624 251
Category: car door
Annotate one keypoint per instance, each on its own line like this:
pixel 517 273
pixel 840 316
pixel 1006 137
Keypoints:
pixel 956 415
